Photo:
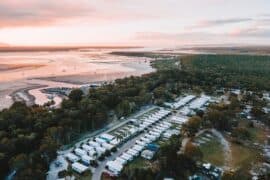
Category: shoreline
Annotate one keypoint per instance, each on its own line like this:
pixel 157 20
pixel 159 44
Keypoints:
pixel 25 92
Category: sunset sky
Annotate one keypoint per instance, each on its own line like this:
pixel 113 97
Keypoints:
pixel 134 22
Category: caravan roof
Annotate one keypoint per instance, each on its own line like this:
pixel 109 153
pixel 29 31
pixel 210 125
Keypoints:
pixel 107 137
pixel 100 140
pixel 79 167
pixel 121 160
pixel 107 146
pixel 87 159
pixel 87 148
pixel 138 147
pixel 126 156
pixel 80 152
pixel 93 144
pixel 72 157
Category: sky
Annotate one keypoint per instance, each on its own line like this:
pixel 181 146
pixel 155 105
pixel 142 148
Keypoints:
pixel 157 23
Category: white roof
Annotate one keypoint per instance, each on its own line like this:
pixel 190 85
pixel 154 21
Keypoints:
pixel 100 149
pixel 87 158
pixel 80 167
pixel 79 151
pixel 126 156
pixel 87 148
pixel 133 130
pixel 137 147
pixel 179 120
pixel 198 103
pixel 147 154
pixel 115 165
pixel 72 157
pixel 145 139
pixel 185 110
pixel 93 144
pixel 132 152
pixel 121 160
pixel 107 136
pixel 115 142
pixel 183 101
pixel 107 146
pixel 141 142
pixel 100 141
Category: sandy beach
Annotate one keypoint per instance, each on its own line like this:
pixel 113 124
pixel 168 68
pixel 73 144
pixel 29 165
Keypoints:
pixel 23 75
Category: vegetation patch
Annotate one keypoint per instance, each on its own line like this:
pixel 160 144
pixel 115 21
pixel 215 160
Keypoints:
pixel 212 151
pixel 235 71
pixel 243 157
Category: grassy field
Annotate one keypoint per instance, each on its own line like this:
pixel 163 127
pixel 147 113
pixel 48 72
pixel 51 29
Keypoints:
pixel 213 152
pixel 243 157
pixel 138 163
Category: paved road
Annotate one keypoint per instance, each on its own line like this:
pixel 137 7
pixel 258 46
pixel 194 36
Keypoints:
pixel 98 171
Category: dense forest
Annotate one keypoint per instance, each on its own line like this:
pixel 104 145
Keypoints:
pixel 233 71
pixel 30 136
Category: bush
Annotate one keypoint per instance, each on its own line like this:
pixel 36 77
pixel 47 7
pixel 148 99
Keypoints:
pixel 102 157
pixel 107 153
pixel 62 174
pixel 114 149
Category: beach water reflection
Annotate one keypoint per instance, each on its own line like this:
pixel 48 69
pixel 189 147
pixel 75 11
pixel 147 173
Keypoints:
pixel 30 70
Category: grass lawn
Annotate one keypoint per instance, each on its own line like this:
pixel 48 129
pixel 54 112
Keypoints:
pixel 213 152
pixel 257 135
pixel 138 163
pixel 243 157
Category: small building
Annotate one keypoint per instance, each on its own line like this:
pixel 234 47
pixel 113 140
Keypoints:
pixel 87 147
pixel 80 152
pixel 92 153
pixel 179 120
pixel 153 147
pixel 93 144
pixel 100 140
pixel 147 154
pixel 115 142
pixel 138 147
pixel 72 157
pixel 107 146
pixel 79 168
pixel 127 157
pixel 100 150
pixel 199 103
pixel 107 137
pixel 132 152
pixel 146 140
pixel 87 159
pixel 183 101
pixel 121 160
pixel 114 167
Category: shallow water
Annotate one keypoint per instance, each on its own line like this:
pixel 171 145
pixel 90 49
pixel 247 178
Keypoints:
pixel 75 68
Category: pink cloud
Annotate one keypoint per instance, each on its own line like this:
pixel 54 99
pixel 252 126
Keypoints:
pixel 16 13
pixel 39 13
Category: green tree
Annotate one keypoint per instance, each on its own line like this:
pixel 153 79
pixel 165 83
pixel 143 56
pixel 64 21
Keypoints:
pixel 76 95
